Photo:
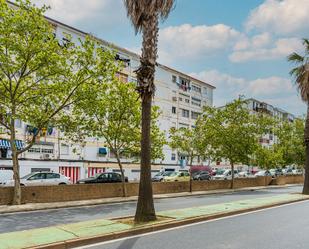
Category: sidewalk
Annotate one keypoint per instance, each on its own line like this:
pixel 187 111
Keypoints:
pixel 82 233
pixel 54 205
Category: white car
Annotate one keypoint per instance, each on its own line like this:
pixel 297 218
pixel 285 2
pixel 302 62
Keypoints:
pixel 226 175
pixel 5 175
pixel 39 179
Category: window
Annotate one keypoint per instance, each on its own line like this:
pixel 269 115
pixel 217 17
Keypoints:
pixel 205 90
pixel 182 125
pixel 122 77
pixel 180 99
pixel 64 149
pixel 185 113
pixel 195 101
pixel 173 158
pixel 187 100
pixel 173 109
pixel 48 151
pixel 18 123
pixel 194 115
pixel 34 150
pixel 39 169
pixel 174 78
pixel 52 176
pixel 38 176
pixel 196 88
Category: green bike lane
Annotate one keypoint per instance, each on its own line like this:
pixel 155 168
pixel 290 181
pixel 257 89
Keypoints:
pixel 100 227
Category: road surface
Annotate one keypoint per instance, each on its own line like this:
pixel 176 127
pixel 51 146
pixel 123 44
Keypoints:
pixel 44 218
pixel 284 227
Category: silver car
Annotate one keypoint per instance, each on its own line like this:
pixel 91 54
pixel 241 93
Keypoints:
pixel 40 178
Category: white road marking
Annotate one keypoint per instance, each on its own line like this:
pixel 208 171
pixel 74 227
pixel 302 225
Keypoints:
pixel 185 226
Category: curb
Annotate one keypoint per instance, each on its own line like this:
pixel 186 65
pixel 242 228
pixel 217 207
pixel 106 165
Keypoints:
pixel 152 228
pixel 134 198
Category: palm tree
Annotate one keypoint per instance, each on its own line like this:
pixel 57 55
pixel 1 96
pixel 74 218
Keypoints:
pixel 144 15
pixel 301 75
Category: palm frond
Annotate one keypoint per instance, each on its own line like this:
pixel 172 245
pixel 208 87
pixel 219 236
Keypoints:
pixel 296 58
pixel 139 10
pixel 302 81
pixel 306 44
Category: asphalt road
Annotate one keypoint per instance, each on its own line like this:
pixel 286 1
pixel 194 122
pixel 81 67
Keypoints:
pixel 285 227
pixel 38 219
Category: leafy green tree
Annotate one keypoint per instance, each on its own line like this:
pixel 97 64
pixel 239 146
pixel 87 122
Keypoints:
pixel 267 158
pixel 40 76
pixel 301 76
pixel 145 16
pixel 234 132
pixel 291 141
pixel 113 114
pixel 187 142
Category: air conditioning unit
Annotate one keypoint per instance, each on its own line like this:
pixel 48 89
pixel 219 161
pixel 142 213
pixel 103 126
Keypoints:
pixel 45 156
pixel 174 98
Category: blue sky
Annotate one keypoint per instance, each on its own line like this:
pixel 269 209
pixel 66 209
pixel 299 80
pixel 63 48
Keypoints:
pixel 239 46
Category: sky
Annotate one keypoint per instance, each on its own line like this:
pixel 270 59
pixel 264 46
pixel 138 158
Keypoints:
pixel 239 46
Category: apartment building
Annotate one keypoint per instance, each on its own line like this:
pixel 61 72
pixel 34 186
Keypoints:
pixel 256 106
pixel 179 96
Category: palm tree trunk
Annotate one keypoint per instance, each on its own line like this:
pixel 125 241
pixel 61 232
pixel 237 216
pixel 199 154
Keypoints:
pixel 306 137
pixel 232 181
pixel 123 180
pixel 145 210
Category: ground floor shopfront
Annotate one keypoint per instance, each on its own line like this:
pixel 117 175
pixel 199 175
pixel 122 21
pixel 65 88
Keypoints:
pixel 80 169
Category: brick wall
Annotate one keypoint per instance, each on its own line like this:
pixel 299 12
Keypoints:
pixel 41 194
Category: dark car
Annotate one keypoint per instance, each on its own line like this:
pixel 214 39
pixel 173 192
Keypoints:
pixel 201 176
pixel 103 178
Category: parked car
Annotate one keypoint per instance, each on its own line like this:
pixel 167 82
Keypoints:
pixel 177 177
pixel 297 171
pixel 159 177
pixel 287 171
pixel 5 175
pixel 226 175
pixel 202 175
pixel 103 178
pixel 275 172
pixel 263 173
pixel 217 172
pixel 40 178
pixel 243 174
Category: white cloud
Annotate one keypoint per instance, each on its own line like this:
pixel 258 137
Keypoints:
pixel 263 48
pixel 277 91
pixel 90 15
pixel 187 41
pixel 269 86
pixel 74 10
pixel 280 17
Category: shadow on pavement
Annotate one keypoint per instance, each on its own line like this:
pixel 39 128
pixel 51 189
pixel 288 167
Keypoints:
pixel 128 244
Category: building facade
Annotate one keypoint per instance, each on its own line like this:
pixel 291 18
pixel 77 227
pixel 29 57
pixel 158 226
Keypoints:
pixel 179 96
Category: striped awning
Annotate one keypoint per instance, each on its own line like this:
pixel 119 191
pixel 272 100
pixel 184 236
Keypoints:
pixel 5 144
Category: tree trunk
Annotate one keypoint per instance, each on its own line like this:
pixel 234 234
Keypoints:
pixel 16 176
pixel 145 207
pixel 145 210
pixel 123 179
pixel 306 137
pixel 232 181
pixel 191 161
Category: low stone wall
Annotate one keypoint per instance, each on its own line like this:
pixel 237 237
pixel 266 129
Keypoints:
pixel 45 194
pixel 292 179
